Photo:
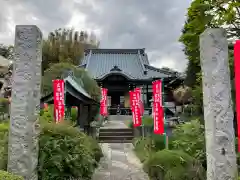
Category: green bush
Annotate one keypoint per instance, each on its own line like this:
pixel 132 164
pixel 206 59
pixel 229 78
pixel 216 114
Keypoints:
pixel 146 121
pixel 4 105
pixel 173 165
pixel 7 176
pixel 74 114
pixel 66 153
pixel 47 114
pixel 3 145
pixel 159 142
pixel 190 138
pixel 144 147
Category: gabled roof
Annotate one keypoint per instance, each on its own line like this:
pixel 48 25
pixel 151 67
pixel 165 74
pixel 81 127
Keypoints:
pixel 131 63
pixel 74 89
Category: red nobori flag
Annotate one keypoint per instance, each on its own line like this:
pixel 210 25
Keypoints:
pixel 237 85
pixel 136 111
pixel 139 94
pixel 58 95
pixel 103 102
pixel 158 110
pixel 157 91
pixel 158 118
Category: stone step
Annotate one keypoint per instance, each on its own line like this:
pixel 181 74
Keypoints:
pixel 122 134
pixel 115 130
pixel 119 117
pixel 115 141
pixel 115 137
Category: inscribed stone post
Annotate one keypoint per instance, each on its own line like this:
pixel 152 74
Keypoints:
pixel 24 127
pixel 218 113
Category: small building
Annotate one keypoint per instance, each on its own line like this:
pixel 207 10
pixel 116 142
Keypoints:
pixel 121 70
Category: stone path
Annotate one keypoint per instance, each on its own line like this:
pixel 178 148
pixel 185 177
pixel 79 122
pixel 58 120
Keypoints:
pixel 119 161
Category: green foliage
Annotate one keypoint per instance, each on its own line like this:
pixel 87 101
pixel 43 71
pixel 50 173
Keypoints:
pixel 3 145
pixel 47 115
pixel 197 21
pixel 56 71
pixel 4 105
pixel 173 165
pixel 74 114
pixel 66 153
pixel 190 138
pixel 204 14
pixel 66 45
pixel 6 51
pixel 144 147
pixel 7 176
pixel 146 121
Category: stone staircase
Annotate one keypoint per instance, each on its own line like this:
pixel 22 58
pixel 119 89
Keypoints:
pixel 116 131
pixel 120 135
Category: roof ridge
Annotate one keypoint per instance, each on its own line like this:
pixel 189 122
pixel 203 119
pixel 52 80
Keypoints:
pixel 88 59
pixel 141 61
pixel 115 51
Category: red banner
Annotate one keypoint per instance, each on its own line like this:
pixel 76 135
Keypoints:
pixel 158 109
pixel 103 102
pixel 139 96
pixel 136 111
pixel 237 85
pixel 157 91
pixel 58 95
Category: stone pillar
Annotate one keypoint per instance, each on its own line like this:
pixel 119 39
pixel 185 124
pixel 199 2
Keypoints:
pixel 25 104
pixel 218 113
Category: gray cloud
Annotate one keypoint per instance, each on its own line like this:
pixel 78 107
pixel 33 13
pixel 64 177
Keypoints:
pixel 154 25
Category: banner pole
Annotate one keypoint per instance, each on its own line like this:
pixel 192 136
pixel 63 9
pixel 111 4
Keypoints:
pixel 164 120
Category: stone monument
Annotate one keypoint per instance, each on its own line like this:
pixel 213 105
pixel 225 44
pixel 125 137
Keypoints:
pixel 25 103
pixel 218 112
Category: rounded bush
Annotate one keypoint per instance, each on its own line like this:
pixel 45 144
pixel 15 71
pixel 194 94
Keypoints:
pixel 7 176
pixel 173 165
pixel 66 153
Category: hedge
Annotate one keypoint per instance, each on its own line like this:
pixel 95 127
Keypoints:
pixel 173 165
pixel 64 152
pixel 7 176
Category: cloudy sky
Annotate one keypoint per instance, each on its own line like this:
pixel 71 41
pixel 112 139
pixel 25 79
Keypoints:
pixel 152 24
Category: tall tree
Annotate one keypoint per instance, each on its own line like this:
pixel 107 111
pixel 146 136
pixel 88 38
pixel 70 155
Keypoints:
pixel 6 51
pixel 196 23
pixel 66 45
pixel 204 14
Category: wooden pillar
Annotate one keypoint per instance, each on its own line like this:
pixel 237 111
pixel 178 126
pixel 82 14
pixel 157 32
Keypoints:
pixel 147 95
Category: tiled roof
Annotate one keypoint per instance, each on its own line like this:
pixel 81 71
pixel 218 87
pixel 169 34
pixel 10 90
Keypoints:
pixel 132 63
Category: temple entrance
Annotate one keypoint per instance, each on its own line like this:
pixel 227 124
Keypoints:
pixel 116 98
pixel 118 88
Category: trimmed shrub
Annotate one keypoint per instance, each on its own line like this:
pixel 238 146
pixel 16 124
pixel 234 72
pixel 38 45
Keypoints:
pixel 66 153
pixel 3 145
pixel 7 176
pixel 173 165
